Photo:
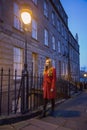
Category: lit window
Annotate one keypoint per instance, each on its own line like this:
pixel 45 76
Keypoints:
pixel 46 37
pixel 18 60
pixel 45 8
pixel 53 42
pixel 34 29
pixel 17 22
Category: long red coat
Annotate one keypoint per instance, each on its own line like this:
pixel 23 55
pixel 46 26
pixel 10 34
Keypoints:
pixel 49 81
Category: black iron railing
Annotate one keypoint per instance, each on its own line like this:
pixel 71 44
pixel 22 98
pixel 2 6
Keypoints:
pixel 14 96
pixel 12 92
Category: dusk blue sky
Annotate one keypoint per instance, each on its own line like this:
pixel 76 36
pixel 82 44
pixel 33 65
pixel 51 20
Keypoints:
pixel 77 23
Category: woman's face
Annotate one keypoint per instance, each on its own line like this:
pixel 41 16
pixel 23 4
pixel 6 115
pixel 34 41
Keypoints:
pixel 47 62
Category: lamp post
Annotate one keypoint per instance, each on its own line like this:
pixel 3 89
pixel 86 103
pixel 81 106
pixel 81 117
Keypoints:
pixel 26 19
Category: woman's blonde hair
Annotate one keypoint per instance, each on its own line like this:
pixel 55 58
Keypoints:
pixel 50 64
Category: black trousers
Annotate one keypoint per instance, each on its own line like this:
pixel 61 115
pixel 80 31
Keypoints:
pixel 52 104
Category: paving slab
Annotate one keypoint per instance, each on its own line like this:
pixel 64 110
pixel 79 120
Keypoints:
pixel 7 127
pixel 43 125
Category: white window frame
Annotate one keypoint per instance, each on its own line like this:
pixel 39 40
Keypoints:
pixel 18 61
pixel 46 37
pixel 34 29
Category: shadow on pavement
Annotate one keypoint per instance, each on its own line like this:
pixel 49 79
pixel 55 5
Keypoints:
pixel 65 113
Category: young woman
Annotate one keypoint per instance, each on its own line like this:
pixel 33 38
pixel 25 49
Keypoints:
pixel 49 85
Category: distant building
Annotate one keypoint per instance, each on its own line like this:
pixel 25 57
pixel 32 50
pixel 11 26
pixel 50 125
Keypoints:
pixel 74 57
pixel 48 36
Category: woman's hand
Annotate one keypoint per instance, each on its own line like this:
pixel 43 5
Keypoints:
pixel 43 89
pixel 51 89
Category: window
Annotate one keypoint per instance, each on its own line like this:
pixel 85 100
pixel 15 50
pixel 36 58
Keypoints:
pixel 35 2
pixel 58 25
pixel 63 50
pixel 18 60
pixel 59 65
pixel 45 8
pixel 34 29
pixel 46 37
pixel 66 69
pixel 59 47
pixel 65 34
pixel 34 63
pixel 53 62
pixel 63 69
pixel 53 42
pixel 17 22
pixel 53 18
pixel 62 30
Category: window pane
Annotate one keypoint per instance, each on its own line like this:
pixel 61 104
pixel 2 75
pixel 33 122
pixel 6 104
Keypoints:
pixel 53 42
pixel 34 29
pixel 16 9
pixel 59 47
pixel 17 22
pixel 46 37
pixel 53 63
pixel 45 8
pixel 53 18
pixel 18 60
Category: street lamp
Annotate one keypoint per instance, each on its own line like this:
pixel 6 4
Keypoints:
pixel 26 16
pixel 26 19
pixel 85 75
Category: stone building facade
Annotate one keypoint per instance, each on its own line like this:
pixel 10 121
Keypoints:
pixel 48 36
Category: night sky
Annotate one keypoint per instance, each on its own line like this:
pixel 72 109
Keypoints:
pixel 77 22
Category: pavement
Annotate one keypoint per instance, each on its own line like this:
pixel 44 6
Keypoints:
pixel 70 115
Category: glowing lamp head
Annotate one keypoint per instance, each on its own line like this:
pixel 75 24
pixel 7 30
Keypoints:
pixel 26 17
pixel 85 75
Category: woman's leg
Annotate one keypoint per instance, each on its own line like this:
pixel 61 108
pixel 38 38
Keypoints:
pixel 44 107
pixel 52 104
